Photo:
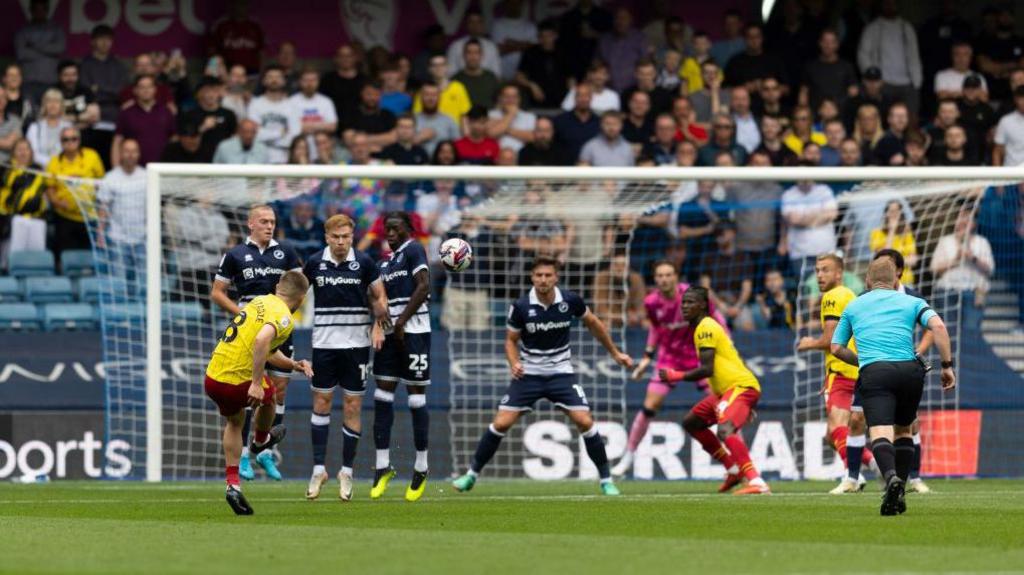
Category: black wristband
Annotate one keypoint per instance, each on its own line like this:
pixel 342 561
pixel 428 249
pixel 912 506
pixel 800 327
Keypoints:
pixel 648 354
pixel 947 364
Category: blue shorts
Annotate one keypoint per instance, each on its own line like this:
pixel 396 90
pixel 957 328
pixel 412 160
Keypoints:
pixel 406 361
pixel 344 368
pixel 288 349
pixel 558 389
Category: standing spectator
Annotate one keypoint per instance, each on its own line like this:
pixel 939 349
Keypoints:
pixel 602 97
pixel 962 264
pixel 732 41
pixel 146 121
pixel 1009 139
pixel 690 72
pixel 662 146
pixel 609 149
pixel 435 43
pixel 1000 53
pixel 638 125
pixel 276 116
pixel 37 48
pixel 890 43
pixel 696 222
pixel 827 76
pixel 835 133
pixel 214 122
pixel 144 65
pixel 238 38
pixel 541 150
pixel 622 47
pixel 508 122
pixel 646 80
pixel 453 99
pixel 302 228
pixel 891 149
pixel 668 76
pixel 868 132
pixel 237 94
pixel 976 115
pixel 1007 105
pixel 104 75
pixel 44 133
pixel 949 83
pixel 711 99
pixel 466 302
pixel 476 147
pixel 774 306
pixel 802 131
pixel 870 92
pixel 575 128
pixel 18 103
pixel 342 85
pixel 769 101
pixel 23 200
pixel 753 64
pixel 747 133
pixel 188 148
pixel 476 30
pixel 666 31
pixel 728 273
pixel 481 83
pixel 368 117
pixel 723 140
pixel 287 59
pixel 242 148
pixel 405 152
pixel 433 125
pixel 198 233
pixel 939 36
pixel 618 294
pixel 809 211
pixel 121 221
pixel 772 144
pixel 895 234
pixel 10 130
pixel 73 161
pixel 513 32
pixel 394 96
pixel 756 216
pixel 315 112
pixel 578 35
pixel 953 151
pixel 542 71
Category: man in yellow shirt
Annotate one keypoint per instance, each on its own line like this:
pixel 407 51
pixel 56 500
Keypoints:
pixel 74 161
pixel 734 395
pixel 235 375
pixel 454 101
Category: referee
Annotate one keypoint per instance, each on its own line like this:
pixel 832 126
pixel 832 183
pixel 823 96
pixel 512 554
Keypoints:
pixel 891 377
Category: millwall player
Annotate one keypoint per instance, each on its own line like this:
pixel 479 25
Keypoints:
pixel 252 268
pixel 539 358
pixel 405 355
pixel 346 285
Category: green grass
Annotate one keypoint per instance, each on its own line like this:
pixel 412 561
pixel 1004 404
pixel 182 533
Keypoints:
pixel 507 527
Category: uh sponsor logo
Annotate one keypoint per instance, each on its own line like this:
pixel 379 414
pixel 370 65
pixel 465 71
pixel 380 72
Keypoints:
pixel 59 459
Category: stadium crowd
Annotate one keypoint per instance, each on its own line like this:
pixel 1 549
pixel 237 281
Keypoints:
pixel 816 85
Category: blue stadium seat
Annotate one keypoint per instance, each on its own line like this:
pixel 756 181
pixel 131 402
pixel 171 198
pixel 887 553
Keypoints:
pixel 77 263
pixel 31 263
pixel 68 316
pixel 56 289
pixel 182 313
pixel 89 290
pixel 19 317
pixel 130 314
pixel 94 289
pixel 10 289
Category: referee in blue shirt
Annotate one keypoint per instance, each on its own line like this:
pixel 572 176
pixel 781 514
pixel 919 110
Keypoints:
pixel 891 377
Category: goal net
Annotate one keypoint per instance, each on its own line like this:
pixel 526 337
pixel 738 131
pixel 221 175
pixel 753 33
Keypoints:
pixel 720 227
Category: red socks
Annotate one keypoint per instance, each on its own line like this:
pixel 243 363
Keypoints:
pixel 709 441
pixel 741 455
pixel 838 437
pixel 232 475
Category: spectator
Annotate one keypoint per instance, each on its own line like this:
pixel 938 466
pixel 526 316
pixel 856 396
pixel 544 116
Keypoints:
pixel 827 111
pixel 687 127
pixel 868 132
pixel 328 152
pixel 860 219
pixel 467 304
pixel 662 146
pixel 727 272
pixel 541 151
pixel 405 151
pixel 802 131
pixel 609 149
pixel 753 64
pixel 535 233
pixel 747 133
pixel 668 77
pixel 514 33
pixel 1000 53
pixel 475 147
pixel 890 150
pixel 953 151
pixel 938 37
pixel 774 306
pixel 73 161
pixel 276 116
pixel 809 211
pixel 710 100
pixel 723 140
pixel 188 148
pixel 1007 106
pixel 618 294
pixel 198 233
pixel 314 111
pixel 542 71
pixel 949 83
pixel 23 200
pixel 302 228
pixel 238 38
pixel 646 81
pixel 508 122
pixel 691 71
pixel 10 130
pixel 827 76
pixel 435 44
pixel 889 43
pixel 578 35
pixel 287 59
pixel 665 31
pixel 18 104
pixel 377 124
pixel 1009 139
pixel 343 84
pixel 870 92
pixel 121 221
pixel 638 125
pixel 453 99
pixel 37 47
pixel 146 121
pixel 445 154
pixel 916 145
pixel 575 128
pixel 394 96
pixel 507 157
pixel 811 154
pixel 358 198
pixel 757 218
pixel 849 154
pixel 622 47
pixel 590 238
pixel 103 75
pixel 835 134
pixel 732 42
pixel 895 234
pixel 772 144
pixel 769 101
pixel 433 125
pixel 299 152
pixel 242 148
pixel 211 119
pixel 237 94
pixel 962 264
pixel 439 210
pixel 146 66
pixel 947 116
pixel 44 133
pixel 481 84
pixel 476 30
pixel 602 97
pixel 976 115
pixel 697 221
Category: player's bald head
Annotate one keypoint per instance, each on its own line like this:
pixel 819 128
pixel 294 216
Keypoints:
pixel 882 273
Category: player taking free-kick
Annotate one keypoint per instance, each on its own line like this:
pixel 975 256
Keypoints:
pixel 235 375
pixel 734 395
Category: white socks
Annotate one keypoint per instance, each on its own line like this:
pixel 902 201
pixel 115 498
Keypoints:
pixel 421 462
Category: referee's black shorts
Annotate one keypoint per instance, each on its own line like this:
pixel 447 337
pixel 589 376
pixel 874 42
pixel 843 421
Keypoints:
pixel 891 392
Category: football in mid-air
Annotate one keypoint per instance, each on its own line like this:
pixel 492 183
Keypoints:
pixel 456 254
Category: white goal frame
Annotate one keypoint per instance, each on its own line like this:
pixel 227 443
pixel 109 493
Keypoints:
pixel 156 171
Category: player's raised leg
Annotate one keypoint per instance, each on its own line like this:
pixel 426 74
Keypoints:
pixel 488 445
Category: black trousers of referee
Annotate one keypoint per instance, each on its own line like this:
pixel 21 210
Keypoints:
pixel 891 392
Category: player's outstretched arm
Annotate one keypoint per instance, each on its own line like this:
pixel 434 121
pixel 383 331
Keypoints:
pixel 600 333
pixel 822 342
pixel 219 296
pixel 512 354
pixel 705 370
pixel 938 330
pixel 260 353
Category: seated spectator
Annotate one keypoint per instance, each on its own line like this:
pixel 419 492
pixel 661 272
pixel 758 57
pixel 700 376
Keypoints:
pixel 835 134
pixel 697 221
pixel 801 131
pixel 542 71
pixel 394 95
pixel 541 151
pixel 507 157
pixel 621 47
pixel 727 273
pixel 1009 138
pixel 377 124
pixel 947 116
pixel 243 147
pixel 476 31
pixel 828 76
pixel 751 66
pixel 827 111
pixel 433 126
pixel 638 125
pixel 646 80
pixel 769 101
pixel 687 126
pixel 481 84
pixel 809 211
pixel 299 152
pixel 962 264
pixel 80 107
pixel 811 154
pixel 949 83
pixel 237 94
pixel 445 154
pixel 313 111
pixel 44 133
pixel 609 148
pixel 916 145
pixel 575 128
pixel 849 154
pixel 467 304
pixel 618 294
pixel 328 151
pixel 891 150
pixel 475 147
pixel 756 215
pixel 602 97
pixel 772 144
pixel 17 103
pixel 668 77
pixel 662 146
pixel 405 152
pixel 145 120
pixel 895 233
pixel 70 231
pixel 953 148
pixel 748 134
pixel 976 115
pixel 121 220
pixel 732 41
pixel 711 99
pixel 693 64
pixel 453 99
pixel 509 123
pixel 23 200
pixel 868 132
pixel 775 309
pixel 287 59
pixel 188 148
pixel 144 65
pixel 302 228
pixel 342 85
pixel 723 140
pixel 276 116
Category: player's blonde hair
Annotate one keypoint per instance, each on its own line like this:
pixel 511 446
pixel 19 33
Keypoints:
pixel 339 221
pixel 836 258
pixel 293 285
pixel 259 208
pixel 882 271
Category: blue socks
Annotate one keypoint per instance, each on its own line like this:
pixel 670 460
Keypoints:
pixel 349 442
pixel 319 426
pixel 595 449
pixel 485 450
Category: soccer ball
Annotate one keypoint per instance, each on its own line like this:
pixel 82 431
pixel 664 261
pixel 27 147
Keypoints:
pixel 456 254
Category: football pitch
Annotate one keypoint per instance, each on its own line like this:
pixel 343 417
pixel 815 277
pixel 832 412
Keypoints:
pixel 508 527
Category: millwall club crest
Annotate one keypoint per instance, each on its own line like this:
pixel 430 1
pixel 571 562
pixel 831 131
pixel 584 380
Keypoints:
pixel 279 254
pixel 323 266
pixel 398 258
pixel 353 265
pixel 563 307
pixel 248 258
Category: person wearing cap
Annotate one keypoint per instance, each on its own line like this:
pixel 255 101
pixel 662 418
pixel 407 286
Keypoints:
pixel 189 147
pixel 1009 140
pixel 889 43
pixel 949 83
pixel 104 75
pixel 214 122
pixel 976 115
pixel 870 92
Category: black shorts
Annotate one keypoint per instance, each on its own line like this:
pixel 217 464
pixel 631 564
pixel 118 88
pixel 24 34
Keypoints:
pixel 406 361
pixel 344 368
pixel 288 349
pixel 559 389
pixel 891 392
